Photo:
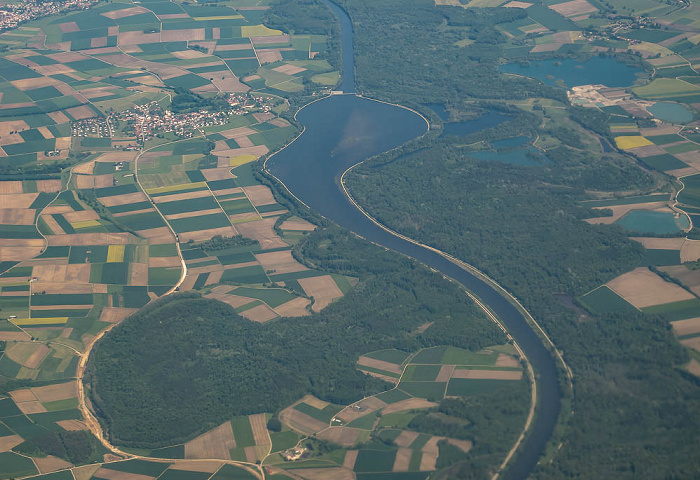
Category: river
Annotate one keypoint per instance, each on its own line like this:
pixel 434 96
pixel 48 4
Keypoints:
pixel 341 131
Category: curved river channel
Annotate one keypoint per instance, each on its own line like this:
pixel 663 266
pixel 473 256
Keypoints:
pixel 341 131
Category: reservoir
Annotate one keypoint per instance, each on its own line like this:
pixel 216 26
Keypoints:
pixel 341 131
pixel 569 72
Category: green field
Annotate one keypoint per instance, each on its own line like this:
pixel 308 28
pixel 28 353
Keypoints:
pixel 602 300
pixel 428 390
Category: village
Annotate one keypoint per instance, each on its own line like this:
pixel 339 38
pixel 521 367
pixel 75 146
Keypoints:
pixel 12 15
pixel 148 120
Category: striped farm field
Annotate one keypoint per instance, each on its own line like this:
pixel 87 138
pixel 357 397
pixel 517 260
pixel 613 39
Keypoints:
pixel 176 188
pixel 116 253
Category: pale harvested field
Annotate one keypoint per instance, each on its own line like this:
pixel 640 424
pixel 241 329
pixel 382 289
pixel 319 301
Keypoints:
pixel 214 277
pixel 217 174
pixel 489 374
pixel 260 314
pixel 344 436
pixel 507 361
pixel 102 181
pixel 14 198
pixel 686 327
pixel 19 253
pixel 79 273
pixel 14 336
pixel 647 151
pixel 125 12
pixel 72 425
pixel 118 156
pixel 264 40
pixel 323 289
pixel 29 408
pixel 689 278
pixel 402 460
pixel 228 82
pixel 693 367
pixel 573 8
pixel 69 27
pixel 258 423
pixel 117 475
pixel 12 125
pixel 11 187
pixel 16 216
pixel 289 69
pixel 445 373
pixel 56 209
pixel 157 235
pixel 690 251
pixel 406 438
pixel 380 364
pixel 180 35
pixel 83 182
pixel 263 232
pixel 197 466
pixel 643 288
pixel 58 117
pixel 81 216
pixel 37 357
pixel 138 274
pixel 545 47
pixel 517 4
pixel 23 395
pixel 246 217
pixel 408 404
pixel 259 195
pixel 52 393
pixel 136 38
pixel 257 151
pixel 202 235
pixel 10 442
pixel 350 459
pixel 81 112
pixel 21 352
pixel 431 446
pixel 428 462
pixel 300 422
pixel 32 83
pixel 693 343
pixel 298 225
pixel 280 262
pixel 115 314
pixel 134 212
pixel 125 199
pixel 90 239
pixel 196 213
pixel 313 401
pixel 294 308
pixel 182 196
pixel 334 473
pixel 244 142
pixel 464 445
pixel 85 168
pixel 228 191
pixel 51 464
pixel 269 56
pixel 660 243
pixel 12 138
pixel 215 443
pixel 58 287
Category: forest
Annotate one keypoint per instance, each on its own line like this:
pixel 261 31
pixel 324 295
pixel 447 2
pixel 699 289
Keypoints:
pixel 183 365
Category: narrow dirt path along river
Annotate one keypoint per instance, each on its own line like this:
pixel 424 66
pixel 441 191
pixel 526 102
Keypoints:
pixel 343 130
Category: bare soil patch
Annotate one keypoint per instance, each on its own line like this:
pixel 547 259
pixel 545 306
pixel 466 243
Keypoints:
pixel 125 199
pixel 51 393
pixel 263 232
pixel 182 196
pixel 360 409
pixel 11 187
pixel 90 239
pixel 408 404
pixel 14 198
pixel 16 216
pixel 300 422
pixel 215 443
pixel 694 368
pixel 294 308
pixel 507 361
pixel 289 69
pixel 298 225
pixel 261 314
pixel 643 288
pixel 464 445
pixel 693 343
pixel 115 314
pixel 10 442
pixel 202 235
pixel 14 336
pixel 258 423
pixel 197 466
pixel 350 459
pixel 196 213
pixel 323 289
pixel 573 8
pixel 380 364
pixel 402 460
pixel 280 262
pixel 259 195
pixel 29 408
pixel 37 357
pixel 428 462
pixel 23 395
pixel 72 425
pixel 445 373
pixel 690 251
pixel 81 112
pixel 406 438
pixel 51 464
pixel 217 174
pixel 660 243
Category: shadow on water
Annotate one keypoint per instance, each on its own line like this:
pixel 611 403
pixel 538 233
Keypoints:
pixel 341 131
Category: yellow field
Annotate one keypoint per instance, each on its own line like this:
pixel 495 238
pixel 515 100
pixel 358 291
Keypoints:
pixel 224 17
pixel 85 224
pixel 632 141
pixel 242 160
pixel 175 188
pixel 115 253
pixel 39 321
pixel 258 31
